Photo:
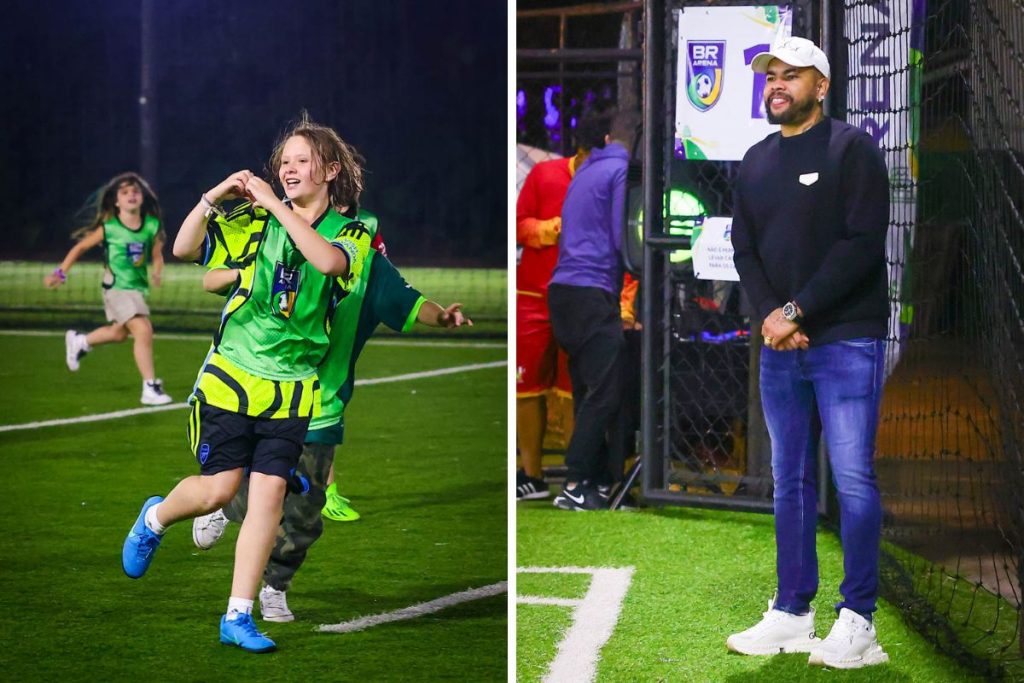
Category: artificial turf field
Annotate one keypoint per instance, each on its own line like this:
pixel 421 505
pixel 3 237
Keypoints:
pixel 424 462
pixel 181 304
pixel 698 576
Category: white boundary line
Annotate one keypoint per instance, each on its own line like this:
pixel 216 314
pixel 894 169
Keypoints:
pixel 206 337
pixel 100 417
pixel 593 620
pixel 556 602
pixel 431 373
pixel 417 610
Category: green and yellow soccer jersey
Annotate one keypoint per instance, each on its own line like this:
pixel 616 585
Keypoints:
pixel 232 241
pixel 382 296
pixel 127 253
pixel 275 323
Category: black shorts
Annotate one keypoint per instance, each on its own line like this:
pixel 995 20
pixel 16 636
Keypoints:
pixel 222 440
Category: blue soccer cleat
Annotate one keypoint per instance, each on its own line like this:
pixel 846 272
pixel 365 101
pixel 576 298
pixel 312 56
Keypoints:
pixel 141 543
pixel 242 631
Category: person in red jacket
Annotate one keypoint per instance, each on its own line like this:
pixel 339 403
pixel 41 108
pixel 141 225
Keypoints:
pixel 540 364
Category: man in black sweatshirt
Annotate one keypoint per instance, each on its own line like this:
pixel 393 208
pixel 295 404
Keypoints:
pixel 811 212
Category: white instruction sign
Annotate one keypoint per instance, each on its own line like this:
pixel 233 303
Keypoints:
pixel 712 250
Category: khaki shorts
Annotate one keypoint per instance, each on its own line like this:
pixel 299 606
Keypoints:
pixel 121 305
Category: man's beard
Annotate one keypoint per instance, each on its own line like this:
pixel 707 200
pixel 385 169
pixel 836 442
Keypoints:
pixel 795 113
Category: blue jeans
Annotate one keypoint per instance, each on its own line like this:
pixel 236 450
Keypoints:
pixel 835 389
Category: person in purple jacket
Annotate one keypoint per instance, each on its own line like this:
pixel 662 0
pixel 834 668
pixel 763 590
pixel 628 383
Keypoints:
pixel 583 299
pixel 810 217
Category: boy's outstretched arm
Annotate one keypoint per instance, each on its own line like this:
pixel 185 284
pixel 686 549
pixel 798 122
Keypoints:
pixel 431 313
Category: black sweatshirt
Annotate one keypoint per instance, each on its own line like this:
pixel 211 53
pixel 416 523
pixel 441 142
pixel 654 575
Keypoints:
pixel 810 217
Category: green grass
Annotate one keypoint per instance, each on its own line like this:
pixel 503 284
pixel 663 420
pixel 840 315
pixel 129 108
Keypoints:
pixel 962 614
pixel 700 575
pixel 424 463
pixel 28 303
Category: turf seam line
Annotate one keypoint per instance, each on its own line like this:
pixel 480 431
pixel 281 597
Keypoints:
pixel 207 337
pixel 416 610
pixel 100 417
pixel 593 621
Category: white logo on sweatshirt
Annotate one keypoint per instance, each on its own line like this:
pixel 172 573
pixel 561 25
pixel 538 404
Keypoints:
pixel 808 178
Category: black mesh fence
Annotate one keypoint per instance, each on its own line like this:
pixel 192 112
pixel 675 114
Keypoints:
pixel 941 87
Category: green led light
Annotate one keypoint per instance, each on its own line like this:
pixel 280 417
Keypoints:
pixel 681 207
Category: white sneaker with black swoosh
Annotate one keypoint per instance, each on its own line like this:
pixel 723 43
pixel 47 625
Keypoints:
pixel 580 497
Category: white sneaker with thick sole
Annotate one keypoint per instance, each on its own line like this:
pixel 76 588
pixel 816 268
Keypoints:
pixel 208 529
pixel 274 605
pixel 153 393
pixel 851 644
pixel 777 632
pixel 74 349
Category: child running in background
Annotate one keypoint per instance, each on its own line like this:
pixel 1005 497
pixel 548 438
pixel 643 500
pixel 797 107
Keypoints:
pixel 127 223
pixel 380 296
pixel 258 388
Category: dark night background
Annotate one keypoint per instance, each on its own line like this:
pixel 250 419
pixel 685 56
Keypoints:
pixel 419 87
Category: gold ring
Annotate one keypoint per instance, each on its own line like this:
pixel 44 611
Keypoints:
pixel 768 341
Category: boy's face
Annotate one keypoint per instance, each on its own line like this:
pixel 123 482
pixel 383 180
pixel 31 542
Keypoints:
pixel 300 173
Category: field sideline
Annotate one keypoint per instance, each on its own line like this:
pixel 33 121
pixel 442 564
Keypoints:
pixel 424 462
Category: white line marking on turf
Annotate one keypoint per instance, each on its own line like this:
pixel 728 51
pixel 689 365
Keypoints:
pixel 417 610
pixel 593 621
pixel 537 600
pixel 431 373
pixel 205 337
pixel 100 417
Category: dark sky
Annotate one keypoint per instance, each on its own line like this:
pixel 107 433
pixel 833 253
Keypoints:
pixel 419 87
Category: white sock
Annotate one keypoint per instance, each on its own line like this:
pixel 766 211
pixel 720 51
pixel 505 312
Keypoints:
pixel 152 522
pixel 85 344
pixel 237 607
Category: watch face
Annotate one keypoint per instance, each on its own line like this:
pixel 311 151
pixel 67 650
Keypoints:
pixel 789 311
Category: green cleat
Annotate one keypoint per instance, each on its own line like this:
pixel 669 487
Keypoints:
pixel 337 507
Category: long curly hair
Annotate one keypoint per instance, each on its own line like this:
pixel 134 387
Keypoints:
pixel 328 148
pixel 102 204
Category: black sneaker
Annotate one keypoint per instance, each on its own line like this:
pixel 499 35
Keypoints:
pixel 530 488
pixel 580 497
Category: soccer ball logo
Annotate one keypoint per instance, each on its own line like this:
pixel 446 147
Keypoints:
pixel 703 85
pixel 705 69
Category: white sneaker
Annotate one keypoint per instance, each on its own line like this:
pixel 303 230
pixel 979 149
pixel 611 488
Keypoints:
pixel 274 605
pixel 851 644
pixel 208 529
pixel 153 393
pixel 74 349
pixel 777 632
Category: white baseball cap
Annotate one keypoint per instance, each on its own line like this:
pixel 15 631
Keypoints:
pixel 795 52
